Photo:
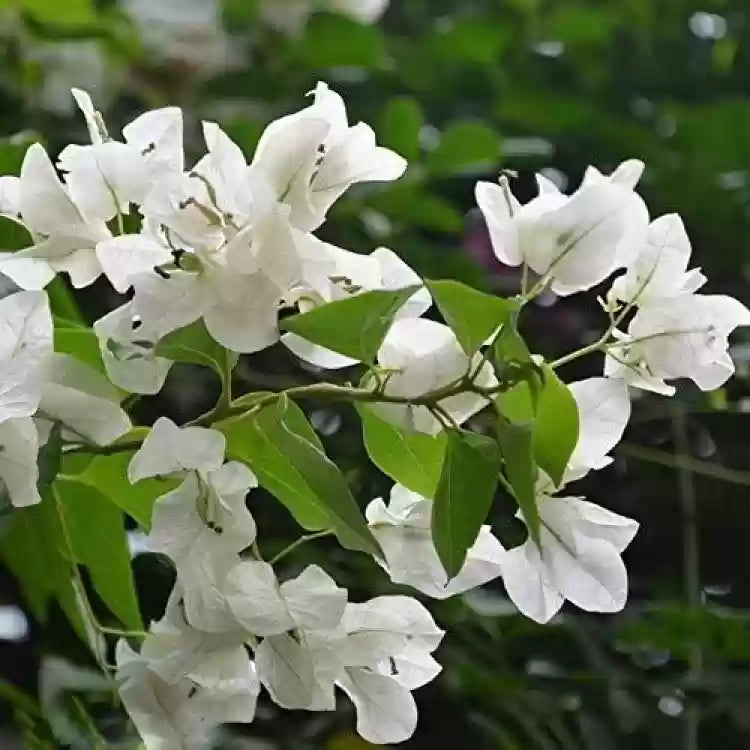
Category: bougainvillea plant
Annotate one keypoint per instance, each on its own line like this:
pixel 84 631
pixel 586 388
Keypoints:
pixel 222 259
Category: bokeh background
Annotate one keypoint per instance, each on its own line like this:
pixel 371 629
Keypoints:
pixel 463 89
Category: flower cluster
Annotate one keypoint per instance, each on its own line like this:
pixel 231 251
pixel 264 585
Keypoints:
pixel 229 244
pixel 194 670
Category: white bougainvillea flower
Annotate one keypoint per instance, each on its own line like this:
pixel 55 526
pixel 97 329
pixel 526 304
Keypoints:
pixel 176 650
pixel 83 401
pixel 660 269
pixel 290 16
pixel 127 347
pixel 312 157
pixel 234 277
pixel 332 274
pixel 169 449
pixel 181 714
pixel 25 347
pixel 311 601
pixel 680 337
pixel 424 356
pixel 377 655
pixel 386 635
pixel 402 529
pixel 202 526
pixel 579 560
pixel 575 241
pixel 603 413
pixel 64 240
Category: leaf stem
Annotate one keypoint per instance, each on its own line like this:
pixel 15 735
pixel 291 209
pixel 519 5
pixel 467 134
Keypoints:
pixel 298 543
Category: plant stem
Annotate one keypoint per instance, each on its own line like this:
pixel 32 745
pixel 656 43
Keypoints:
pixel 298 543
pixel 685 462
pixel 690 564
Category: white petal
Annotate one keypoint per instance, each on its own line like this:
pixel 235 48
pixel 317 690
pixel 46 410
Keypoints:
pixel 123 257
pixel 127 350
pixel 83 100
pixel 83 401
pixel 45 206
pixel 158 135
pixel 590 520
pixel 498 206
pixel 385 626
pixel 169 449
pixel 285 668
pixel 386 711
pixel 25 346
pixel 175 650
pixel 314 600
pixel 253 595
pixel 168 304
pixel 245 317
pixel 412 668
pixel 592 576
pixel 579 243
pixel 397 275
pixel 528 585
pixel 18 461
pixel 603 411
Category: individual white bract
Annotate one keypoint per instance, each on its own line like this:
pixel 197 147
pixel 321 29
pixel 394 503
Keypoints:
pixel 659 270
pixel 402 529
pixel 603 413
pixel 421 356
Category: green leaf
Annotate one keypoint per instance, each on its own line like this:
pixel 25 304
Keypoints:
pixel 518 404
pixel 521 471
pixel 355 326
pixel 281 447
pixel 472 315
pixel 62 302
pixel 70 13
pixel 250 440
pixel 555 427
pixel 464 496
pixel 33 550
pixel 510 348
pixel 413 460
pixel 80 343
pixel 97 536
pixel 194 345
pixel 334 41
pixel 472 40
pixel 465 147
pixel 48 460
pixel 108 474
pixel 411 205
pixel 400 123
